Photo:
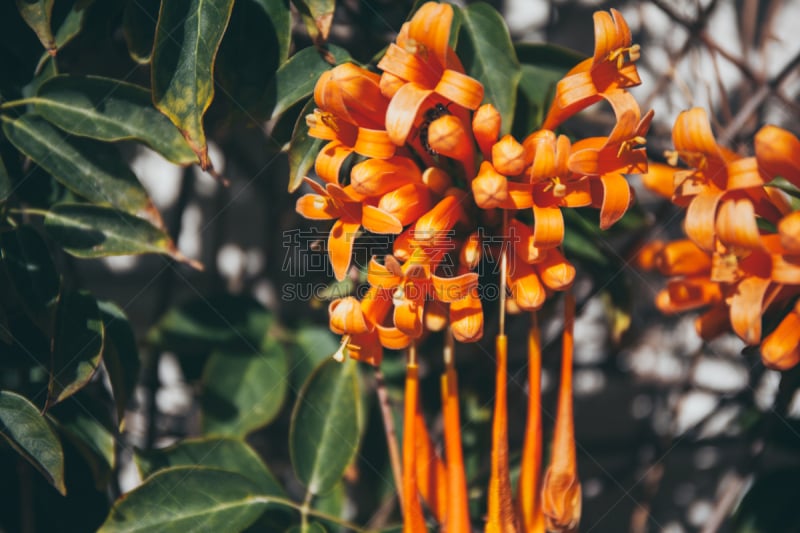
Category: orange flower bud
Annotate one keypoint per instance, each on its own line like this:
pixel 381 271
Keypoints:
pixel 647 256
pixel 789 230
pixel 681 258
pixel 437 180
pixel 508 156
pixel 346 316
pixel 781 349
pixel 353 93
pixel 555 271
pixel 486 127
pixel 526 287
pixel 406 203
pixel 489 188
pixel 375 177
pixel 448 137
pixel 466 318
pixel 437 223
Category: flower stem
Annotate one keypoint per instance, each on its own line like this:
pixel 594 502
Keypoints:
pixel 413 520
pixel 391 434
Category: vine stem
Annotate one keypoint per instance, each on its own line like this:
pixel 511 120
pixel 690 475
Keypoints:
pixel 19 103
pixel 389 428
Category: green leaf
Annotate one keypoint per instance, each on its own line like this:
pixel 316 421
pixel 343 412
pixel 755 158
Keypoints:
pixel 543 66
pixel 110 110
pixel 313 345
pixel 223 453
pixel 90 231
pixel 32 273
pixel 244 391
pixel 489 57
pixel 90 169
pixel 255 45
pixel 188 35
pixel 303 149
pixel 326 425
pixel 187 499
pixel 120 355
pixel 296 78
pixel 94 442
pixel 5 183
pixel 213 323
pixel 70 27
pixel 139 27
pixel 317 16
pixel 37 15
pixel 27 431
pixel 333 502
pixel 77 345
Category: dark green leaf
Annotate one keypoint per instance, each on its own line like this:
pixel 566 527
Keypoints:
pixel 223 453
pixel 296 78
pixel 70 27
pixel 120 355
pixel 92 440
pixel 37 14
pixel 543 66
pixel 310 527
pixel 27 431
pixel 77 345
pixel 488 55
pixel 187 38
pixel 139 27
pixel 90 169
pixel 32 273
pixel 255 45
pixel 313 345
pixel 207 324
pixel 187 499
pixel 303 149
pixel 244 391
pixel 110 110
pixel 317 16
pixel 333 502
pixel 325 428
pixel 92 231
pixel 5 183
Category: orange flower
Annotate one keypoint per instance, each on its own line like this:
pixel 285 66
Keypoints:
pixel 332 202
pixel 781 349
pixel 561 493
pixel 612 67
pixel 351 111
pixel 529 495
pixel 422 67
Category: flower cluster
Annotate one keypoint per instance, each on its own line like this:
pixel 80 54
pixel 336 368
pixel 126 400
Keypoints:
pixel 741 261
pixel 432 168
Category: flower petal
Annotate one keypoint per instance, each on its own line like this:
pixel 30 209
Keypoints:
pixel 747 306
pixel 346 317
pixel 660 179
pixel 316 207
pixel 449 290
pixel 406 203
pixel 614 195
pixel 403 110
pixel 340 246
pixel 375 177
pixel 330 159
pixel 700 220
pixel 366 348
pixel 486 124
pixel 736 224
pixel 378 221
pixel 681 258
pixel 392 338
pixel 460 88
pixel 548 227
pixel 430 26
pixel 778 153
pixel 374 143
pixel 688 293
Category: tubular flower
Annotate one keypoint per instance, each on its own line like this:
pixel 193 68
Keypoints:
pixel 421 67
pixel 436 171
pixel 351 111
pixel 333 202
pixel 611 67
pixel 736 268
